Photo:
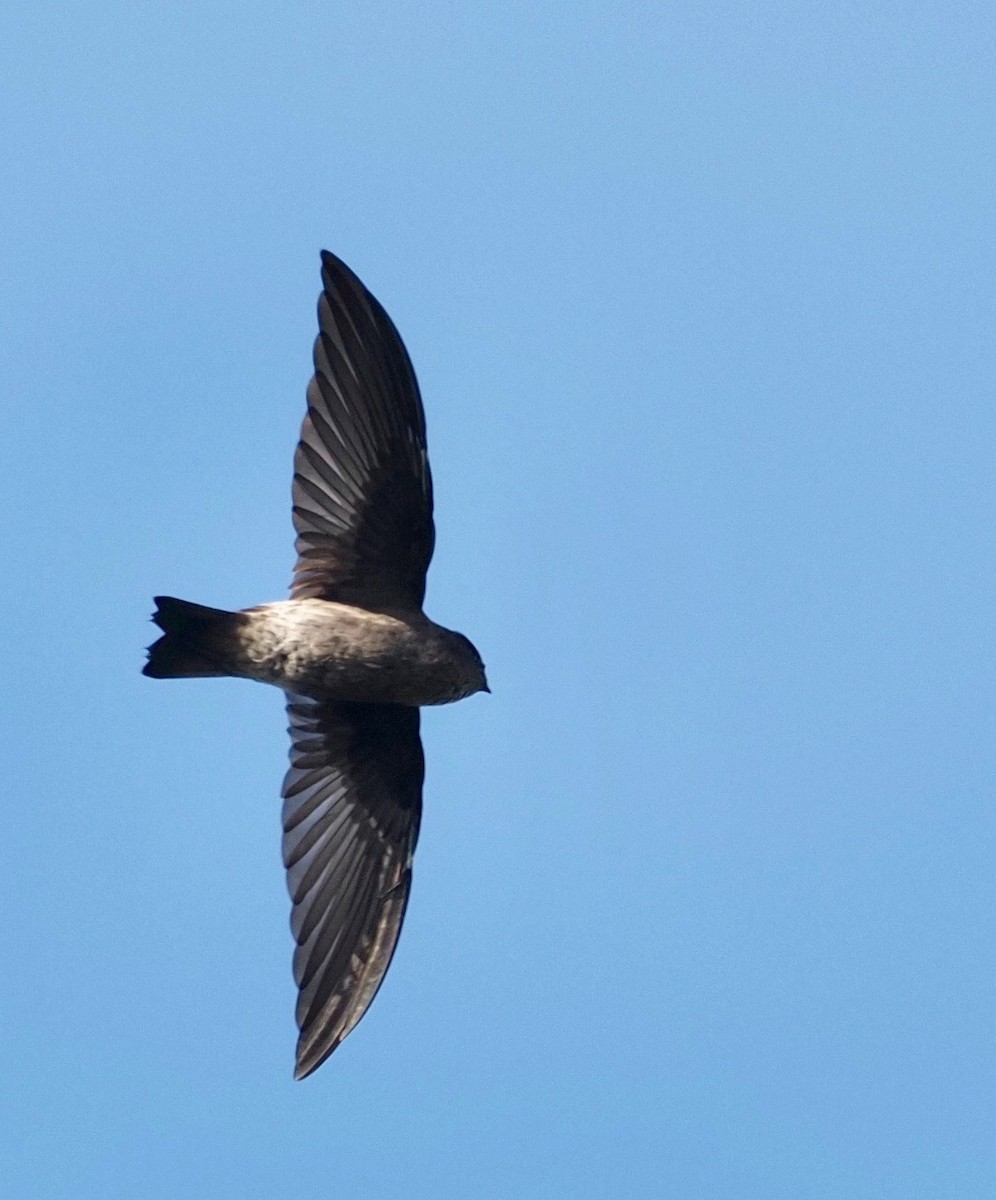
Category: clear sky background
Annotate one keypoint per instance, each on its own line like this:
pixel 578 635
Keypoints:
pixel 701 301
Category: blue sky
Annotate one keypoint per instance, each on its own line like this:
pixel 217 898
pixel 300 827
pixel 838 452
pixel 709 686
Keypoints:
pixel 700 298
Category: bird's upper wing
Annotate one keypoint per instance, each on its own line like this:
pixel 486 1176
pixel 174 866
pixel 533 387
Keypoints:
pixel 362 488
pixel 352 804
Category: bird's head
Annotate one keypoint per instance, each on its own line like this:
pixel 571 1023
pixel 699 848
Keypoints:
pixel 473 665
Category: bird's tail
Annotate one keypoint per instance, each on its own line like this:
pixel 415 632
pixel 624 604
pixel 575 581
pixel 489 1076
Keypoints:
pixel 196 641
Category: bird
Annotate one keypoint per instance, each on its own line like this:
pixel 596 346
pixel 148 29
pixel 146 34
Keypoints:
pixel 355 655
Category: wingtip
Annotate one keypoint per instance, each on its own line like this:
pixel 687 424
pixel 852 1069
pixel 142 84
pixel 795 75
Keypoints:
pixel 308 1063
pixel 332 262
pixel 334 270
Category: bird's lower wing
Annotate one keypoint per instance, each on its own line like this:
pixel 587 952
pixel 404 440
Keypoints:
pixel 352 804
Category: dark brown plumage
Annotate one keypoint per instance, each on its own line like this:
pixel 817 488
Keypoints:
pixel 355 654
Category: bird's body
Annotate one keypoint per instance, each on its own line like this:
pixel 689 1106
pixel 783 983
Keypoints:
pixel 332 651
pixel 340 652
pixel 354 653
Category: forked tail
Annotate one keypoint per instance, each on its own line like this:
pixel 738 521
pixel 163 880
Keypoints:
pixel 196 641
